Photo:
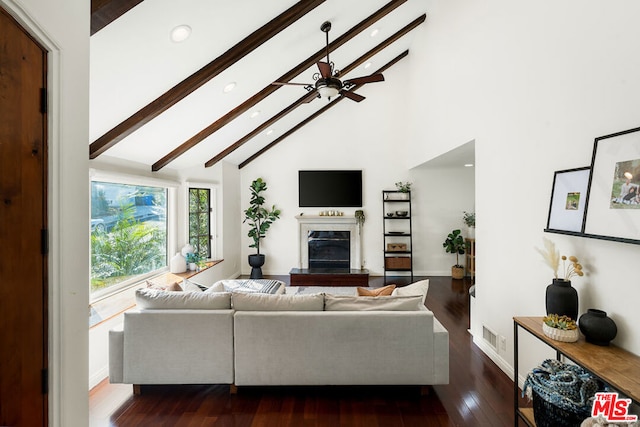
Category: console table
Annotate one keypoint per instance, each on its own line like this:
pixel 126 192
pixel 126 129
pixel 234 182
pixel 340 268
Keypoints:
pixel 613 365
pixel 328 277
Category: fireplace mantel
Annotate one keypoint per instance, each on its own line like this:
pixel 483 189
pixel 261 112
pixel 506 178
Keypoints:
pixel 308 223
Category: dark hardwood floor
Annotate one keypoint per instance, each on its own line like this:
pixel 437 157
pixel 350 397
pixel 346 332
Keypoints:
pixel 479 393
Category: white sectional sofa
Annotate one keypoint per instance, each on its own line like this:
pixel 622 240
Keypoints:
pixel 315 339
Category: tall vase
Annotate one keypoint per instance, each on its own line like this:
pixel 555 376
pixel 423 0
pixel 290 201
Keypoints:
pixel 597 327
pixel 256 261
pixel 562 299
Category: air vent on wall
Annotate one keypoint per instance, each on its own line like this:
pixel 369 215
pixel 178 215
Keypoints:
pixel 490 337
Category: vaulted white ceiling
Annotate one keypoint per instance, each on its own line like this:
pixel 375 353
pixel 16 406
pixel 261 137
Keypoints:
pixel 134 61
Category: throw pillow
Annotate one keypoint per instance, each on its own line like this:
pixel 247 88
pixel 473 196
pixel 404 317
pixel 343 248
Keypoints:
pixel 268 302
pixel 163 286
pixel 418 288
pixel 383 303
pixel 189 286
pixel 153 299
pixel 367 292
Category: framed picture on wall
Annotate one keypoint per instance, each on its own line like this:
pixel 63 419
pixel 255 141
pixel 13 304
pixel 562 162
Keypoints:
pixel 568 200
pixel 613 200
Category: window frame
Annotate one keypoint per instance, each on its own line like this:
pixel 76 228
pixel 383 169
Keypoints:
pixel 129 179
pixel 213 214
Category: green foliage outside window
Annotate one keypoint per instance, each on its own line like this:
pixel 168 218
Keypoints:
pixel 113 258
pixel 199 221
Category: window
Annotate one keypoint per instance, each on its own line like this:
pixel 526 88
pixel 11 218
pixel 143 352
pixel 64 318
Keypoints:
pixel 128 234
pixel 200 221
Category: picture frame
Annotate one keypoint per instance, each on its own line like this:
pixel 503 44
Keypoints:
pixel 568 200
pixel 612 209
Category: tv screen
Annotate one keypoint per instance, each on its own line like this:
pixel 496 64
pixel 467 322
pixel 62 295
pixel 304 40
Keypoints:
pixel 339 189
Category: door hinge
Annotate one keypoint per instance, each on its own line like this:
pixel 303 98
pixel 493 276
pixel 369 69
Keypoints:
pixel 43 100
pixel 45 381
pixel 44 241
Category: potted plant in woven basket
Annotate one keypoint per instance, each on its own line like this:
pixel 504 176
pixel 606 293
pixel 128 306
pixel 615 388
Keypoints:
pixel 454 244
pixel 560 328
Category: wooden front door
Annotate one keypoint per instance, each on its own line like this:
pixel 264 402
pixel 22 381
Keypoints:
pixel 23 227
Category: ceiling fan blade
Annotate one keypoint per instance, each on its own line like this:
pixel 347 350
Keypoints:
pixel 325 69
pixel 366 79
pixel 290 84
pixel 352 95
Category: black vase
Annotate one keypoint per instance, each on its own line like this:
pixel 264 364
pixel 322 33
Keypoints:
pixel 256 261
pixel 562 299
pixel 597 327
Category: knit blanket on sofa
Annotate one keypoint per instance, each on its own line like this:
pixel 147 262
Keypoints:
pixel 263 286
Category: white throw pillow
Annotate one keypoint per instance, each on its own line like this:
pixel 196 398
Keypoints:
pixel 216 287
pixel 418 288
pixel 381 303
pixel 148 299
pixel 189 286
pixel 280 302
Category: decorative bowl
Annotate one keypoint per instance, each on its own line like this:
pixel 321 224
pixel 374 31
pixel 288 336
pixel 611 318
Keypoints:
pixel 390 214
pixel 561 335
pixel 402 213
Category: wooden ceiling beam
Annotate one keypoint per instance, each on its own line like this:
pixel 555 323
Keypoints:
pixel 200 77
pixel 316 114
pixel 233 114
pixel 361 60
pixel 104 12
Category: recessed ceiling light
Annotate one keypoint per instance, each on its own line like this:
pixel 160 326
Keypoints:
pixel 375 32
pixel 468 165
pixel 269 132
pixel 367 65
pixel 180 33
pixel 255 114
pixel 229 87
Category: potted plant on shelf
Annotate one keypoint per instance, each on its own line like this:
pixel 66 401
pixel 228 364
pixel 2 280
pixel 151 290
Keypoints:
pixel 259 219
pixel 469 219
pixel 404 188
pixel 560 328
pixel 455 244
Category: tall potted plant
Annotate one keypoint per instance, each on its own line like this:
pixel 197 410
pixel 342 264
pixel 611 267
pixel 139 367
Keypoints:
pixel 454 244
pixel 259 219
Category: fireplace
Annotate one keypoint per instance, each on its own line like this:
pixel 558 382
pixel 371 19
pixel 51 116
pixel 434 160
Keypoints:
pixel 337 235
pixel 329 249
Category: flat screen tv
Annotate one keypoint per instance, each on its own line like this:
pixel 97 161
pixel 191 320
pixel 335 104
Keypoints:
pixel 330 188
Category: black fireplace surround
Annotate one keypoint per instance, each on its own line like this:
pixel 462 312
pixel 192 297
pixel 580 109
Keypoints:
pixel 329 249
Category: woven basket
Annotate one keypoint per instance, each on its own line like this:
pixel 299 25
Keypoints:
pixel 562 393
pixel 549 415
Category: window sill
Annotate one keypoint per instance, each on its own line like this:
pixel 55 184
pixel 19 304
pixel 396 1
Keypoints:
pixel 116 304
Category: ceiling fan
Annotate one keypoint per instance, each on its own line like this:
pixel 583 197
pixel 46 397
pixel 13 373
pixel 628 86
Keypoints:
pixel 327 82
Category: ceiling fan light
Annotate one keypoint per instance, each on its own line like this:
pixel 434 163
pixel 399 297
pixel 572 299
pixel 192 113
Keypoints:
pixel 328 91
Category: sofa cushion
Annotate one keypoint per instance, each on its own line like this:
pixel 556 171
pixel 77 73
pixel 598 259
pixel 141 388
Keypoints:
pixel 418 288
pixel 282 302
pixel 148 299
pixel 376 292
pixel 382 303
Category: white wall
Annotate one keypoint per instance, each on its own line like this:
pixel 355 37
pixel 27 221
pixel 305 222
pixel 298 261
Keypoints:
pixel 533 83
pixel 68 42
pixel 441 196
